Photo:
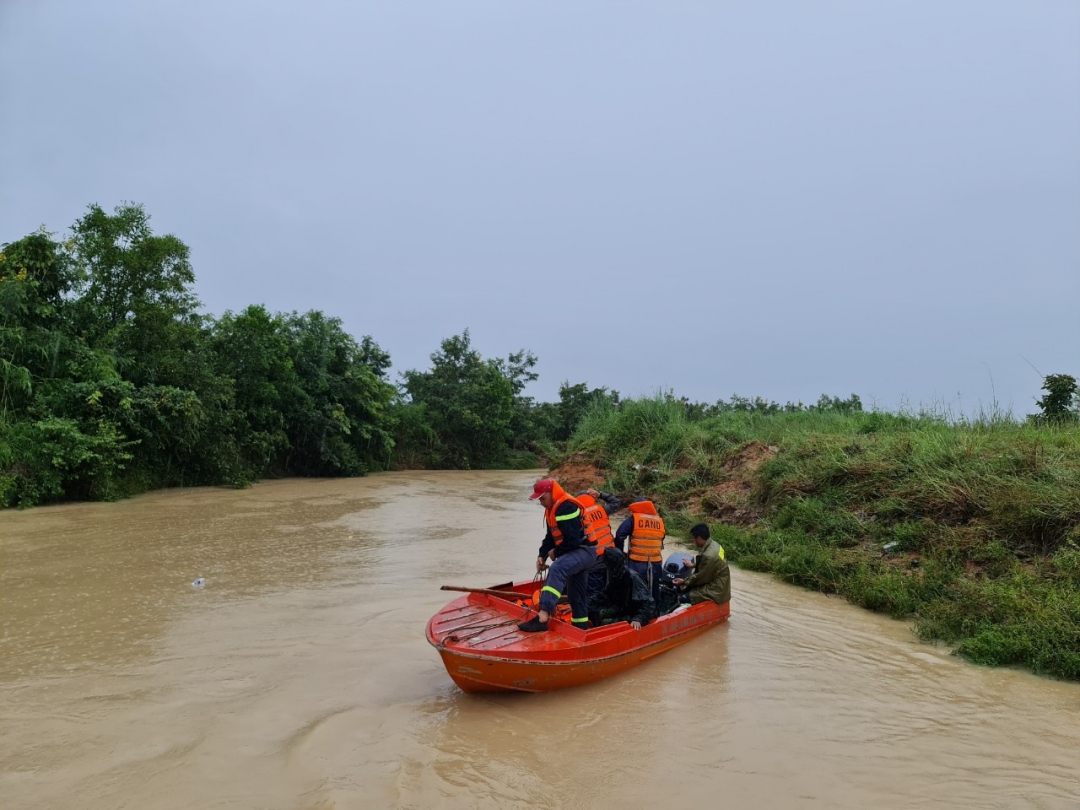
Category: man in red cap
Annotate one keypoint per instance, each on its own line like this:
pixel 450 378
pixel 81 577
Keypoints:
pixel 572 552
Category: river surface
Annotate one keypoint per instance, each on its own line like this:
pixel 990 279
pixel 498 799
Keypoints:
pixel 299 677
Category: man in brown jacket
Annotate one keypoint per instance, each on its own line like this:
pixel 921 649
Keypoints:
pixel 711 578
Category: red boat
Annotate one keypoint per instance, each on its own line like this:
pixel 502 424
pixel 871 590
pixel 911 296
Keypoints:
pixel 483 650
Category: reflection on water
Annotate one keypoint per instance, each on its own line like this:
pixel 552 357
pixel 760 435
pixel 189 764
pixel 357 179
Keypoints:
pixel 299 676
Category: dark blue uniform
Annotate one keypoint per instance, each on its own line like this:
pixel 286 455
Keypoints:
pixel 574 558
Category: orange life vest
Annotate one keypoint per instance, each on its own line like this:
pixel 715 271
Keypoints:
pixel 560 497
pixel 647 536
pixel 597 523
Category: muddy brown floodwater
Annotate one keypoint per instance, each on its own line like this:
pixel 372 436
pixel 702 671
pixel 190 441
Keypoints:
pixel 299 676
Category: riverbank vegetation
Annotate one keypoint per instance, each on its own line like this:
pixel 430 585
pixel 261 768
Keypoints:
pixel 969 527
pixel 114 382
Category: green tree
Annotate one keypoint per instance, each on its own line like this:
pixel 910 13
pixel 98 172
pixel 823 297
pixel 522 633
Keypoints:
pixel 469 403
pixel 252 349
pixel 136 299
pixel 337 417
pixel 35 278
pixel 48 451
pixel 136 310
pixel 1058 403
pixel 574 402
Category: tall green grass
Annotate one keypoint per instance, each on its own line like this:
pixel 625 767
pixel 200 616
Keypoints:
pixel 971 528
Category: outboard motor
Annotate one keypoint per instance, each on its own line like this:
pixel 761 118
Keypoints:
pixel 678 565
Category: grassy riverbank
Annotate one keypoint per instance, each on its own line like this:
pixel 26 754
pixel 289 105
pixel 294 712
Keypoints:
pixel 972 530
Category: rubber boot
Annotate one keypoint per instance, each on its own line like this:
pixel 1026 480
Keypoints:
pixel 533 625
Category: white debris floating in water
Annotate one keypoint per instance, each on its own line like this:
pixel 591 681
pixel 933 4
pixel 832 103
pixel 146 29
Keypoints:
pixel 200 582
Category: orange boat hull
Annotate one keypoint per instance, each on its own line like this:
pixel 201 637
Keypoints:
pixel 483 651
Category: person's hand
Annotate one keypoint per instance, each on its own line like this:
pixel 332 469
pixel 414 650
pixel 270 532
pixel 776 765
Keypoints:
pixel 593 492
pixel 678 582
pixel 636 625
pixel 540 564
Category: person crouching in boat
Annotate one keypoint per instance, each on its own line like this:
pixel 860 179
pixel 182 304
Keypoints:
pixel 596 508
pixel 711 578
pixel 624 598
pixel 573 555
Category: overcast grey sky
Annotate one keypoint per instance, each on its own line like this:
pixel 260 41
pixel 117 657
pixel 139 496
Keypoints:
pixel 770 198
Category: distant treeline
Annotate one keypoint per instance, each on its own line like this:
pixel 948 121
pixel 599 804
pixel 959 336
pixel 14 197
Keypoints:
pixel 112 382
